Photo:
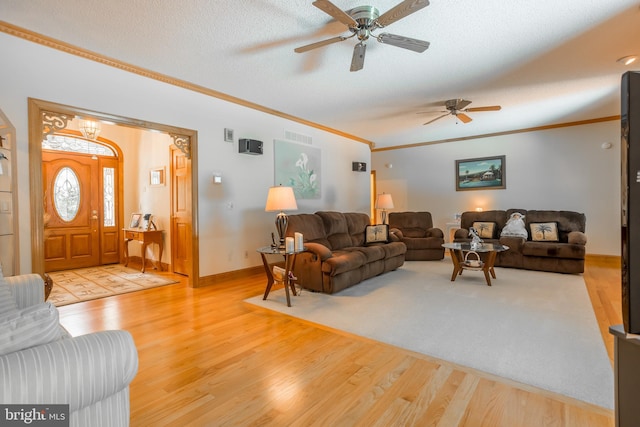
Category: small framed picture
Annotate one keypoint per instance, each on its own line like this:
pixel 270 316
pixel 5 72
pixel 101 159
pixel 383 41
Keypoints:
pixel 147 222
pixel 135 220
pixel 156 177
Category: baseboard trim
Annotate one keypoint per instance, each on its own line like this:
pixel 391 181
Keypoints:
pixel 230 275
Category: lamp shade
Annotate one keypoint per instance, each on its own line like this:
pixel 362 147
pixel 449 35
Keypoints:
pixel 384 201
pixel 281 199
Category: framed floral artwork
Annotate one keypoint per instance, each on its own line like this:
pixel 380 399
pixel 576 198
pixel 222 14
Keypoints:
pixel 298 166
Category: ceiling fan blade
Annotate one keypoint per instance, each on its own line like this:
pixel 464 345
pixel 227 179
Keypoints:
pixel 437 118
pixel 403 42
pixel 431 112
pixel 457 104
pixel 319 44
pixel 404 8
pixel 489 108
pixel 331 9
pixel 357 61
pixel 463 117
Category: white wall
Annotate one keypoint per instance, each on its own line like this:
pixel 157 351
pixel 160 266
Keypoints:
pixel 558 169
pixel 232 221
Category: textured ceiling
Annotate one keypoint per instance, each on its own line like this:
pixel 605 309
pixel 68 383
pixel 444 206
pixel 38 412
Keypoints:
pixel 545 62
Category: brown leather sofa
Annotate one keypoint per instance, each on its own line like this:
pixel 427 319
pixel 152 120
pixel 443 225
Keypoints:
pixel 566 255
pixel 416 230
pixel 337 256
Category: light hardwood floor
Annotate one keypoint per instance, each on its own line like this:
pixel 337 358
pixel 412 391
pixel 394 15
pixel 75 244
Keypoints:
pixel 209 359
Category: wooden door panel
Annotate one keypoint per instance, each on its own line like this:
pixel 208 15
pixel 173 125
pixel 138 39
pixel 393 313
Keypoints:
pixel 180 212
pixel 181 236
pixel 181 205
pixel 110 244
pixel 81 245
pixel 54 248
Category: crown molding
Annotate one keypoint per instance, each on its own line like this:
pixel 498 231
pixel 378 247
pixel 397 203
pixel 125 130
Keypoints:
pixel 508 132
pixel 52 43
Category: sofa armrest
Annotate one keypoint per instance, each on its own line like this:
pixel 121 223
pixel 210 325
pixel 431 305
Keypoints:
pixel 320 250
pixel 435 232
pixel 77 371
pixel 577 238
pixel 461 233
pixel 395 235
pixel 27 289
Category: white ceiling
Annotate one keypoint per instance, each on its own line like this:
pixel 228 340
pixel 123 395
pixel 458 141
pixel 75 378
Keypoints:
pixel 545 62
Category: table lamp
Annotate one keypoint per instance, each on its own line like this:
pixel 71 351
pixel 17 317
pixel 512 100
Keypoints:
pixel 384 202
pixel 281 199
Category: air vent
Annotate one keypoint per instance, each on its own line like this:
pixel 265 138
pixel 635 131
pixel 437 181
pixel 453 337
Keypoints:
pixel 297 137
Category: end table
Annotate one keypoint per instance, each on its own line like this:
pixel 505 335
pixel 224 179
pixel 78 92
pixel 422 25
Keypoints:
pixel 289 263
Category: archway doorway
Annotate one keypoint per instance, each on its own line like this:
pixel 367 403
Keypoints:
pixel 46 117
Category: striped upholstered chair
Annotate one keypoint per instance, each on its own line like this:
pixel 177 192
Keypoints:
pixel 40 363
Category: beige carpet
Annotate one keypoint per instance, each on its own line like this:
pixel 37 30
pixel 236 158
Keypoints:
pixel 532 327
pixel 98 282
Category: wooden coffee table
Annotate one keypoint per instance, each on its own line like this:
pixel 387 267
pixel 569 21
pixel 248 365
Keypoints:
pixel 459 251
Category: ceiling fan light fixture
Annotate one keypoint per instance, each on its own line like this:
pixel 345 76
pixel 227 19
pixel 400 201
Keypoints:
pixel 627 60
pixel 457 108
pixel 362 21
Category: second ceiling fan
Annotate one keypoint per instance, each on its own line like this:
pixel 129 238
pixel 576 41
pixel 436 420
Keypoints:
pixel 457 108
pixel 362 21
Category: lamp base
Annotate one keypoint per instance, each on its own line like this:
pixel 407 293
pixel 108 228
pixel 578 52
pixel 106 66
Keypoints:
pixel 383 216
pixel 281 226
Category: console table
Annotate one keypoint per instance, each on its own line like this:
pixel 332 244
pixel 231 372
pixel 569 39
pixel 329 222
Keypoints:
pixel 289 263
pixel 144 237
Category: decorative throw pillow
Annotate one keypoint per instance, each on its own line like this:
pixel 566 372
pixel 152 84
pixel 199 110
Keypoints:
pixel 544 231
pixel 485 229
pixel 31 326
pixel 376 234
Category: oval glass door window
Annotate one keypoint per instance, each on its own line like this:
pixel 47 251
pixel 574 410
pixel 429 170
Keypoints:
pixel 66 194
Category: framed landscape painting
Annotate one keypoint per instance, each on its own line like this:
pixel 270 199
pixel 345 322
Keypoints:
pixel 483 173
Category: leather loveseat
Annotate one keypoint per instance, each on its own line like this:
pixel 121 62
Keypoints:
pixel 416 230
pixel 561 252
pixel 337 256
pixel 41 364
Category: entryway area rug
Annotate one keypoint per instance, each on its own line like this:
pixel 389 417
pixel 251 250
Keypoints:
pixel 98 282
pixel 532 327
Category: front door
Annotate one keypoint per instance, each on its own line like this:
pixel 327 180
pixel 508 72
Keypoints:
pixel 78 231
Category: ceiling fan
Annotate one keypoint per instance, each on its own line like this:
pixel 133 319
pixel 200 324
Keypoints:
pixel 457 108
pixel 362 21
